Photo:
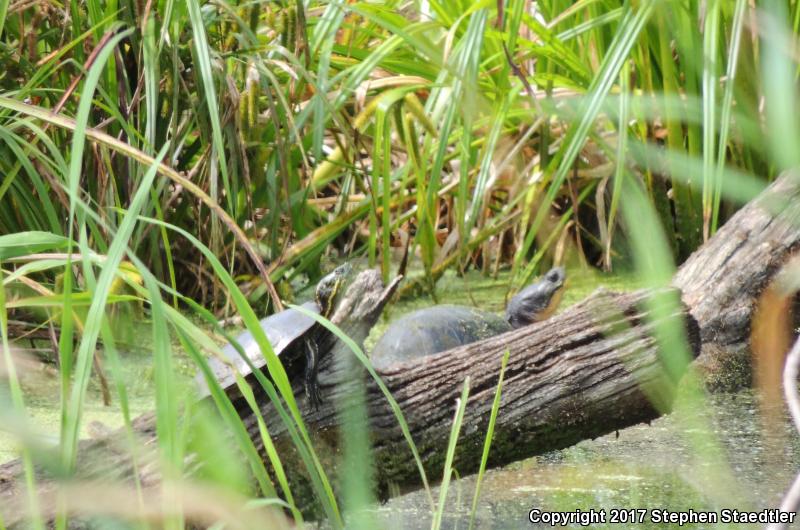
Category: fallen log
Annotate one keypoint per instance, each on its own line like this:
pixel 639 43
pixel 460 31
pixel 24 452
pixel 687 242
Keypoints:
pixel 593 369
pixel 723 280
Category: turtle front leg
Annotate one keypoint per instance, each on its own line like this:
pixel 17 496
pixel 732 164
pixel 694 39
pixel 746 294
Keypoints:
pixel 311 381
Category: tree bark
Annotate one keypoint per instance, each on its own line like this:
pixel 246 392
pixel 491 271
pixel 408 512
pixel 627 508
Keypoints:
pixel 724 279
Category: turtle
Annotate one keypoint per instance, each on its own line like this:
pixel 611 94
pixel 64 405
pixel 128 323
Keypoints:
pixel 442 327
pixel 286 330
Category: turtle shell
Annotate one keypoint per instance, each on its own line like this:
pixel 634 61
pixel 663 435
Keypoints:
pixel 432 330
pixel 282 329
pixel 439 328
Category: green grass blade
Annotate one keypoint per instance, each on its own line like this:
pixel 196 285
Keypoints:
pixel 710 81
pixel 487 444
pixel 71 410
pixel 95 315
pixel 461 406
pixel 151 78
pixel 358 352
pixel 620 171
pixel 18 401
pixel 206 78
pixel 22 243
pixel 273 364
pixel 727 107
pixel 3 13
pixel 779 87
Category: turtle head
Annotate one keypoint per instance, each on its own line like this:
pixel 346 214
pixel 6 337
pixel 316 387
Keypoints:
pixel 330 286
pixel 537 301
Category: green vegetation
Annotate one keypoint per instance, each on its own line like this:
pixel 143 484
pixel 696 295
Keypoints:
pixel 165 164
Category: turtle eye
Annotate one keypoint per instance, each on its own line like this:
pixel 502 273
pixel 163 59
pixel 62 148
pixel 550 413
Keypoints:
pixel 555 275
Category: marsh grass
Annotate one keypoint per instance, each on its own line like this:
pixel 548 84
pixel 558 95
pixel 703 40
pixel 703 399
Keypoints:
pixel 201 157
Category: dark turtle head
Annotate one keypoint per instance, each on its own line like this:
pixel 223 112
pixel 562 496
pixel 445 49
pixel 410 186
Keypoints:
pixel 537 301
pixel 330 286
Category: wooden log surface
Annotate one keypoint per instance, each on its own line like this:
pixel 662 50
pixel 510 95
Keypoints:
pixel 723 280
pixel 591 370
